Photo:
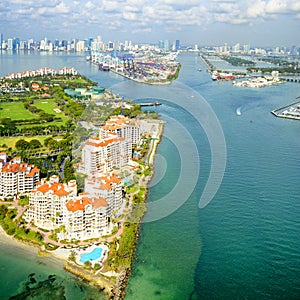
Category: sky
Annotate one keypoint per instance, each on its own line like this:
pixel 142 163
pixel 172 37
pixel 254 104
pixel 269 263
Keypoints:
pixel 202 22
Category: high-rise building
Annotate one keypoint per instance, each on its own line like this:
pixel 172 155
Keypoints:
pixel 90 40
pixel 9 44
pixel 17 178
pixel 107 186
pixel 236 48
pixel 80 46
pixel 161 44
pixel 166 45
pixel 246 48
pixel 102 155
pixel 177 45
pixel 1 40
pixel 110 46
pixel 225 47
pixel 122 127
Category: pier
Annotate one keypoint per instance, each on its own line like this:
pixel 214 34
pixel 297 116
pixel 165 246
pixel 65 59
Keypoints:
pixel 290 79
pixel 293 114
pixel 156 103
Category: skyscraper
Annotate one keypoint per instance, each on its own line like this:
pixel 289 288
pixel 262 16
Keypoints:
pixel 161 44
pixel 177 45
pixel 1 40
pixel 166 45
pixel 10 44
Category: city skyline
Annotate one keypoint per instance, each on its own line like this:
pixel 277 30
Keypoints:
pixel 266 23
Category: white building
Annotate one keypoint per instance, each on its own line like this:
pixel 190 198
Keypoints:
pixel 56 205
pixel 86 218
pixel 80 46
pixel 108 186
pixel 123 127
pixel 66 71
pixel 102 155
pixel 47 203
pixel 17 177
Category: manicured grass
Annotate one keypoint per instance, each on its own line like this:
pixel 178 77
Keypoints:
pixel 49 106
pixel 15 111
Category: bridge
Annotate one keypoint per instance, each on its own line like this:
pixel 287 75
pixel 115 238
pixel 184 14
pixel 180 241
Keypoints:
pixel 290 79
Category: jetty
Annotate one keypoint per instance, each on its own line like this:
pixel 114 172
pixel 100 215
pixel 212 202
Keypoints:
pixel 291 113
pixel 156 103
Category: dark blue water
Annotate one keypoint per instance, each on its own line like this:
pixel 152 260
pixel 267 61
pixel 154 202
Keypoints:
pixel 245 244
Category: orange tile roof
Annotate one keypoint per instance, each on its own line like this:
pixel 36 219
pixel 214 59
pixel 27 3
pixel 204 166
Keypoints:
pixel 111 127
pixel 104 142
pixel 75 205
pixel 32 172
pixel 80 204
pixel 57 188
pixel 105 182
pixel 14 168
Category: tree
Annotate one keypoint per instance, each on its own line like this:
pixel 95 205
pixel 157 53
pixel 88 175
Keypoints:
pixel 88 264
pixel 22 145
pixel 34 144
pixel 72 257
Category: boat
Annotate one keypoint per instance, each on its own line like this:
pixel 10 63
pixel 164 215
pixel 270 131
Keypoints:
pixel 104 67
pixel 199 69
pixel 222 76
pixel 238 111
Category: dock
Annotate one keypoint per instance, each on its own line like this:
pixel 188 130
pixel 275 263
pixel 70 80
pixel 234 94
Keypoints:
pixel 156 103
pixel 291 114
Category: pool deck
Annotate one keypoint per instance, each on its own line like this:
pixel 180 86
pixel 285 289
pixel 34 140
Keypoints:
pixel 64 254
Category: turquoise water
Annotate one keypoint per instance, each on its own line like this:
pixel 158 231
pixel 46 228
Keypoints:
pixel 24 275
pixel 93 255
pixel 245 244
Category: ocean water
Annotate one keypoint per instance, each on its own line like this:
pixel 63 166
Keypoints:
pixel 25 275
pixel 245 243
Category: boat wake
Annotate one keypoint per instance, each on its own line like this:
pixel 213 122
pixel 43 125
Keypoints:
pixel 238 111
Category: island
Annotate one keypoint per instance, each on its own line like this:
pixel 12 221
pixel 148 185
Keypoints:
pixel 76 192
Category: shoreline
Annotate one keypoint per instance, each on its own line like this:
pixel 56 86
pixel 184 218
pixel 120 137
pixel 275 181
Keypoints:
pixel 114 289
pixel 123 281
pixel 142 81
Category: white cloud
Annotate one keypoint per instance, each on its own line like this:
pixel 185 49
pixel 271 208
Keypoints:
pixel 257 9
pixel 143 15
pixel 131 16
pixel 61 8
pixel 90 5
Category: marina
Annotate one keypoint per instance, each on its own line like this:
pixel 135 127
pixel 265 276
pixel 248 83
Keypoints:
pixel 288 111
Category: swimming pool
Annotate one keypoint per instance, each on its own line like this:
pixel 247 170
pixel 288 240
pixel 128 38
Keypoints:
pixel 94 255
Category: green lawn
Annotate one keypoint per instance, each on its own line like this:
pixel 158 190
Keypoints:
pixel 49 106
pixel 15 111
